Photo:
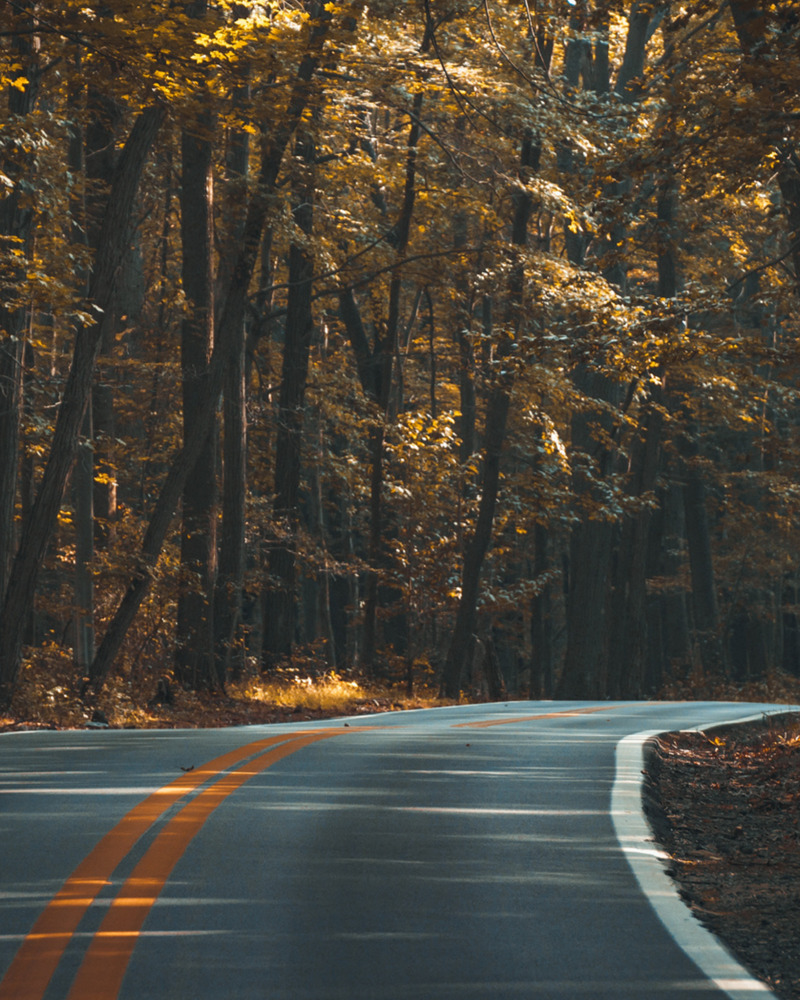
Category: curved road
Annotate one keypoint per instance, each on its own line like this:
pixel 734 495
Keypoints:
pixel 465 852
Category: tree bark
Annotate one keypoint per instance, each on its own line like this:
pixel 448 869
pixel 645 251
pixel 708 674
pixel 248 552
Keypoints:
pixel 15 222
pixel 704 587
pixel 542 656
pixel 194 664
pixel 628 625
pixel 281 597
pixel 105 118
pixel 478 544
pixel 229 594
pixel 590 613
pixel 83 471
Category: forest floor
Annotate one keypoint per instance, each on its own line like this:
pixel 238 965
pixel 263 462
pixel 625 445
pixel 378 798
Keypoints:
pixel 48 698
pixel 725 806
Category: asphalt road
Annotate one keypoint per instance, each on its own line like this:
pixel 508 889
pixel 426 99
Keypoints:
pixel 464 852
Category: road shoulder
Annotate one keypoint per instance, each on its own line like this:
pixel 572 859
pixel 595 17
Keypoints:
pixel 649 865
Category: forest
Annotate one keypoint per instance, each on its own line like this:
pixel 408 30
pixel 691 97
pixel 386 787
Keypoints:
pixel 445 342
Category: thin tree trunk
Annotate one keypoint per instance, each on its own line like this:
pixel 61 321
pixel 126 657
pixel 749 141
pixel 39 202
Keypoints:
pixel 11 367
pixel 628 622
pixel 105 119
pixel 704 587
pixel 229 593
pixel 281 597
pixel 628 625
pixel 83 489
pixel 194 655
pixel 16 222
pixel 83 472
pixel 464 307
pixel 542 656
pixel 478 544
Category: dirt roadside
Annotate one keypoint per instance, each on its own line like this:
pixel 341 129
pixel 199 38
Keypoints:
pixel 725 806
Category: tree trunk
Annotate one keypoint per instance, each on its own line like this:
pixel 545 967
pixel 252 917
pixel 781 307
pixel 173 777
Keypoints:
pixel 628 625
pixel 16 223
pixel 668 617
pixel 229 594
pixel 628 643
pixel 464 307
pixel 83 491
pixel 281 597
pixel 590 616
pixel 194 656
pixel 478 544
pixel 704 587
pixel 105 119
pixel 542 655
pixel 83 471
pixel 585 663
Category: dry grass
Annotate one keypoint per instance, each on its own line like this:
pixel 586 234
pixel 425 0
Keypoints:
pixel 327 693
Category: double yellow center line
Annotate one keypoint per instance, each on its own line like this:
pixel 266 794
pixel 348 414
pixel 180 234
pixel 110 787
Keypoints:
pixel 106 959
pixel 104 964
pixel 487 723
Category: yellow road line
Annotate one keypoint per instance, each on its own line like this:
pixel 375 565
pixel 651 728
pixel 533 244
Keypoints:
pixel 101 973
pixel 38 957
pixel 567 713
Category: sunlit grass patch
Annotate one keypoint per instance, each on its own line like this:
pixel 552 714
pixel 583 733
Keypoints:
pixel 329 692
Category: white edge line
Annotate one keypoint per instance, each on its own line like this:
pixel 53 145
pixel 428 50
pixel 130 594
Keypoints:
pixel 649 863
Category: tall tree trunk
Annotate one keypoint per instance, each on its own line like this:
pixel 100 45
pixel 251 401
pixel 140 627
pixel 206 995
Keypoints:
pixel 281 598
pixel 669 639
pixel 628 625
pixel 83 471
pixel 105 117
pixel 194 656
pixel 228 597
pixel 16 222
pixel 44 513
pixel 83 491
pixel 542 654
pixel 705 610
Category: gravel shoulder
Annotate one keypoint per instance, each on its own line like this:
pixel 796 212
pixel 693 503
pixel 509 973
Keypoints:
pixel 725 806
